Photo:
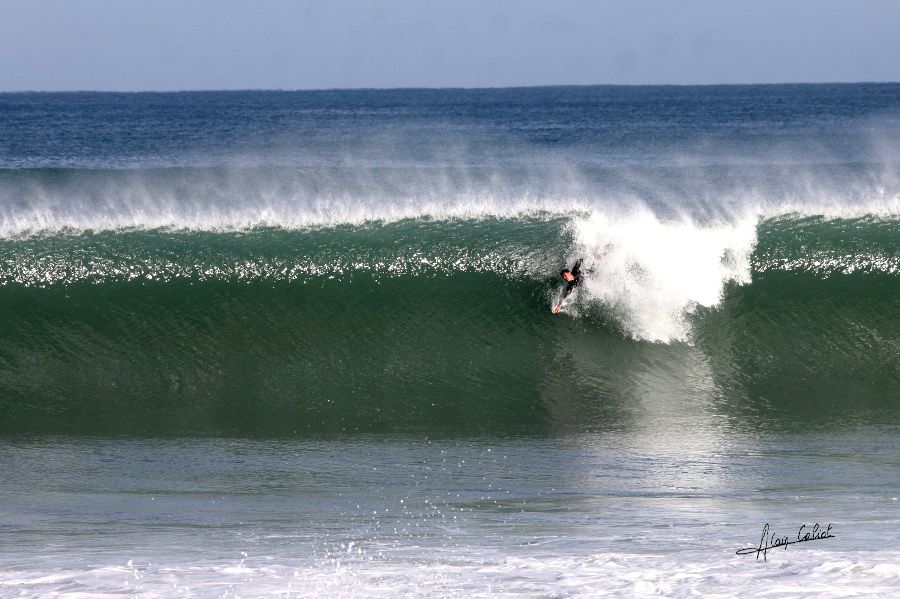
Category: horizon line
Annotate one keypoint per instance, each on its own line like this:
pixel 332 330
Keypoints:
pixel 440 88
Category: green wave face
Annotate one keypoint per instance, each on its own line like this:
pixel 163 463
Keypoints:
pixel 435 328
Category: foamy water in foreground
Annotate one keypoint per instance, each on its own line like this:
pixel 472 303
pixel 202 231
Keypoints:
pixel 644 512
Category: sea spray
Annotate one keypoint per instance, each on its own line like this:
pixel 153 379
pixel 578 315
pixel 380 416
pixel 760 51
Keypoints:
pixel 652 273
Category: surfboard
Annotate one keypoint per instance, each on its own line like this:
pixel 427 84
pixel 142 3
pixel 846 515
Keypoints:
pixel 562 303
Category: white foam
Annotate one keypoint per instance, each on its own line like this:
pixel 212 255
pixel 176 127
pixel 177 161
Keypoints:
pixel 803 573
pixel 653 272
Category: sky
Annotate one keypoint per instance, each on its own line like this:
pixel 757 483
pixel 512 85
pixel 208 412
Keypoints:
pixel 132 45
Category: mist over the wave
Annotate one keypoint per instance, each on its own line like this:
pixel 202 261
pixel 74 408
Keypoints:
pixel 295 160
pixel 36 201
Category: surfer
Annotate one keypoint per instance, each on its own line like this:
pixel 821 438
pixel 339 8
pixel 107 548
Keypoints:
pixel 572 278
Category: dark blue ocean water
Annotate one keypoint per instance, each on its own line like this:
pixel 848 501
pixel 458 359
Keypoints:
pixel 300 343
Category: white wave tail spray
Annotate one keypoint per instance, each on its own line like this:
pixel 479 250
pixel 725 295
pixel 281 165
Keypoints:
pixel 654 272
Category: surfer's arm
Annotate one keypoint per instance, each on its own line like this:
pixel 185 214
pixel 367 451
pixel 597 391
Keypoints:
pixel 576 270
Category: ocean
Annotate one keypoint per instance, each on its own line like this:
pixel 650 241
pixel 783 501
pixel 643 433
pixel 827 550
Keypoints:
pixel 271 343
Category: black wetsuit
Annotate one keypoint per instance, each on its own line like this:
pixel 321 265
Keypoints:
pixel 576 272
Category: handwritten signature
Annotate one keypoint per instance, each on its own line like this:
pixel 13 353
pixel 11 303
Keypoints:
pixel 770 541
